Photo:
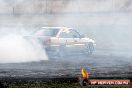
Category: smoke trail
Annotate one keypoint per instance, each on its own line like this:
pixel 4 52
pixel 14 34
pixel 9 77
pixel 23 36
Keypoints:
pixel 15 48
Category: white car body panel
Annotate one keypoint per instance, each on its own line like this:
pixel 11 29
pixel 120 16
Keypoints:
pixel 72 42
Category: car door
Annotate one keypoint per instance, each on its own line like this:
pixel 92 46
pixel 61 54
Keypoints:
pixel 78 41
pixel 70 40
pixel 66 39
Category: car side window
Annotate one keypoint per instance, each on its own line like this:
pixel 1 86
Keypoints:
pixel 75 34
pixel 70 34
pixel 66 35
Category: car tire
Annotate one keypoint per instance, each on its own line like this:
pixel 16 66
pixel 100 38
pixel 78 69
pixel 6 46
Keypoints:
pixel 89 48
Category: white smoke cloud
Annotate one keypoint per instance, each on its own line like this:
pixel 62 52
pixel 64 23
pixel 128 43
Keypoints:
pixel 15 48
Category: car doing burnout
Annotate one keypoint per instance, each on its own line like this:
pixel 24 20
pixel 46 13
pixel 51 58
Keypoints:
pixel 63 40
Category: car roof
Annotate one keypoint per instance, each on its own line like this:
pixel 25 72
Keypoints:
pixel 56 27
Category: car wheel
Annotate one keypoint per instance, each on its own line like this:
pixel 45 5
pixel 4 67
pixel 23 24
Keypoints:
pixel 89 48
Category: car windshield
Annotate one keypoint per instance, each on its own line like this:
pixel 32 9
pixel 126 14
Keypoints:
pixel 48 32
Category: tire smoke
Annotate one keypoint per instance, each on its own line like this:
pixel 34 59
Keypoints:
pixel 14 48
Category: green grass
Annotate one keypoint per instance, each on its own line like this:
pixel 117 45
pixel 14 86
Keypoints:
pixel 63 85
pixel 49 83
pixel 40 84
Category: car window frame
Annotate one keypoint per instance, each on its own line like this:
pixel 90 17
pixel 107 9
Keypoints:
pixel 64 37
pixel 71 33
pixel 76 33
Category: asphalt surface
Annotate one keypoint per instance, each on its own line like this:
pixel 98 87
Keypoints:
pixel 103 63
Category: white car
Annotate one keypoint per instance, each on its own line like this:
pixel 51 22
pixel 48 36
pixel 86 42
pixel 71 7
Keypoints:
pixel 63 40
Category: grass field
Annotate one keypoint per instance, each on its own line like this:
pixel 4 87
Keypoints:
pixel 49 83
